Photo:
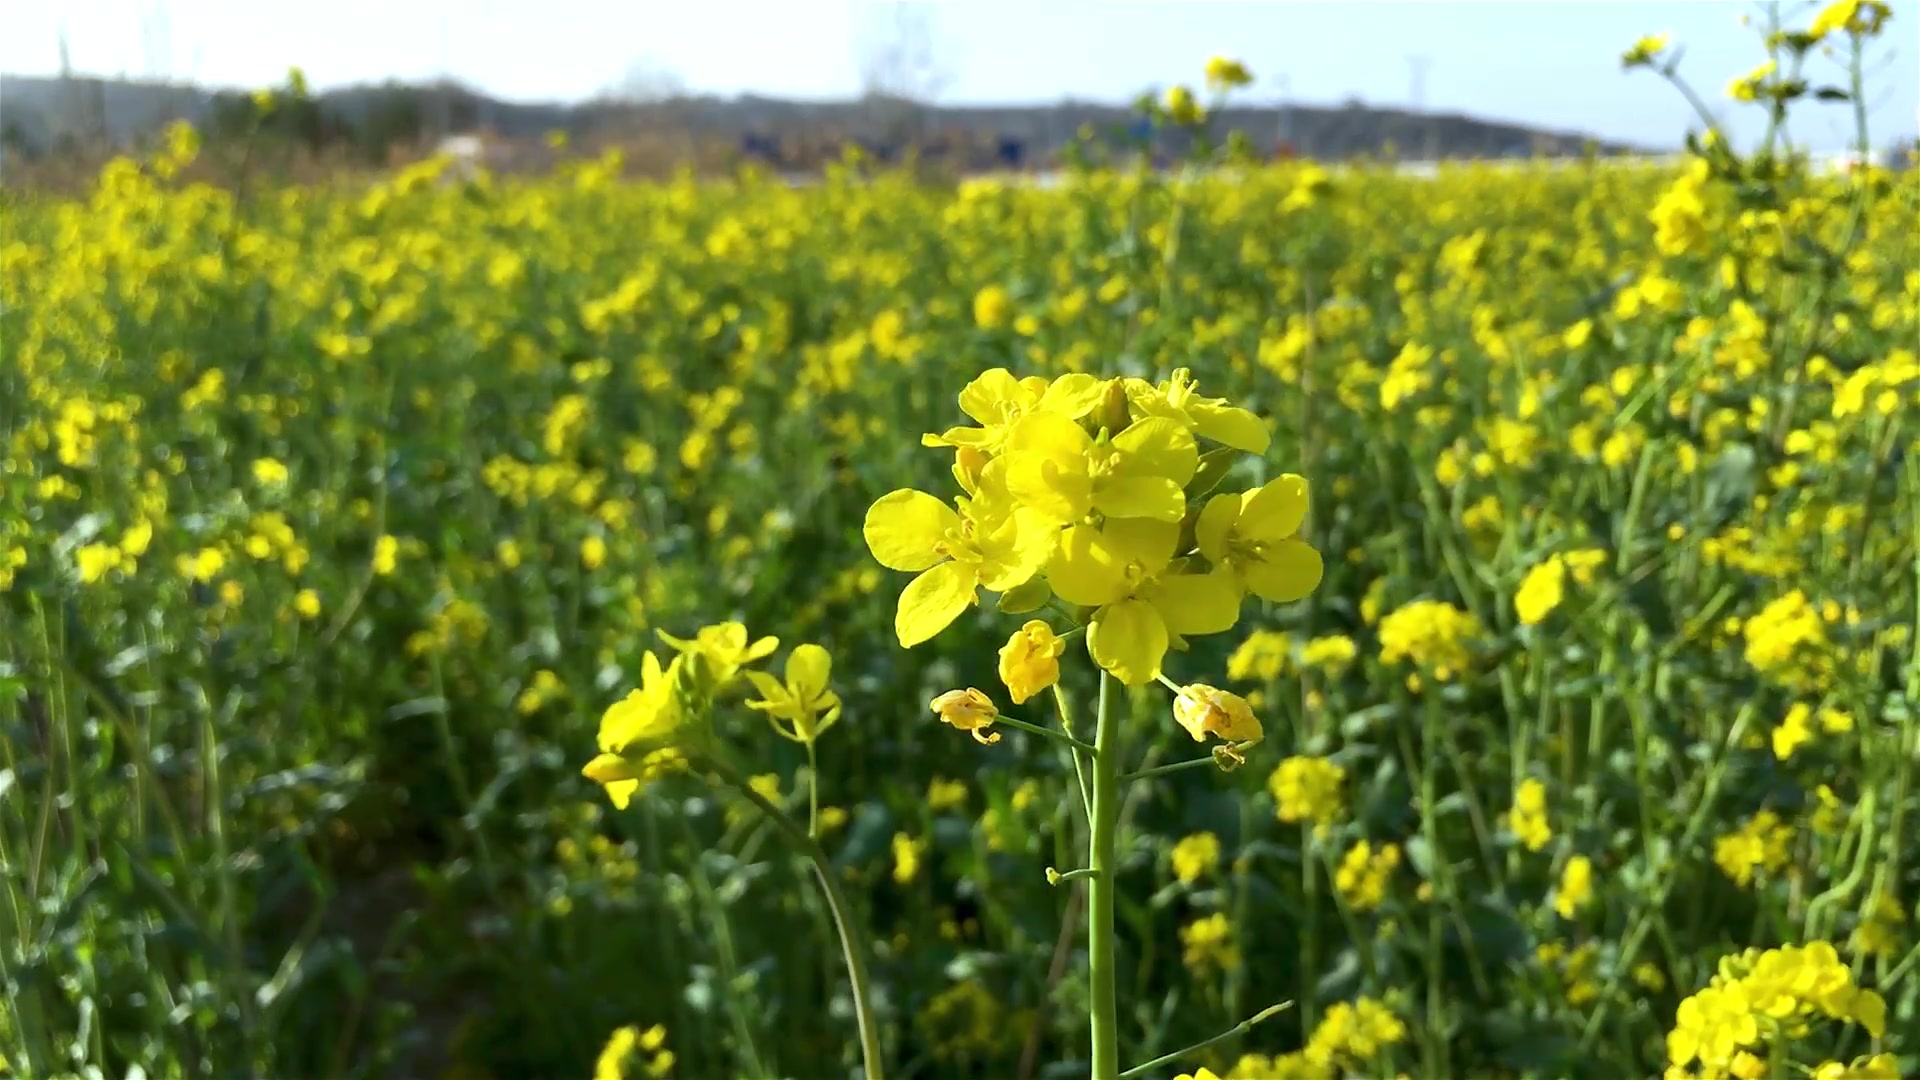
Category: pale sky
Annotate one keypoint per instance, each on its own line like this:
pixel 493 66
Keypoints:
pixel 1547 63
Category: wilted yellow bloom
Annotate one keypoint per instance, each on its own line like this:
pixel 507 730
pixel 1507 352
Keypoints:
pixel 1030 660
pixel 971 711
pixel 1204 710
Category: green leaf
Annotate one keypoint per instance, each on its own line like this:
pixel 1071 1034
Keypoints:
pixel 1031 595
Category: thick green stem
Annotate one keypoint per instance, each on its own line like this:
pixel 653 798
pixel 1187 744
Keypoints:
pixel 1104 1015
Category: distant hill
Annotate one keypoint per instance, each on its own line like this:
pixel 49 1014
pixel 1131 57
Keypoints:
pixel 41 116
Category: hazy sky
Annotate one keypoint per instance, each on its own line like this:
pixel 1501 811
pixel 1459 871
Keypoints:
pixel 1550 63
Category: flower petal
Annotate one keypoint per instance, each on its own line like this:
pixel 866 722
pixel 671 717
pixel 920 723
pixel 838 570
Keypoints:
pixel 1059 490
pixel 1143 541
pixel 983 397
pixel 1215 525
pixel 905 529
pixel 1195 604
pixel 1087 570
pixel 1153 497
pixel 1230 426
pixel 1160 447
pixel 1128 639
pixel 932 601
pixel 1276 510
pixel 1291 570
pixel 1073 395
pixel 808 669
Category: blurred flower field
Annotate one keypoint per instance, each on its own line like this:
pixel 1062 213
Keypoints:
pixel 333 519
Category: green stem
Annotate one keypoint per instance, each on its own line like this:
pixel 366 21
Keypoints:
pixel 852 948
pixel 1104 1017
pixel 1162 770
pixel 1240 1028
pixel 1079 767
pixel 1036 729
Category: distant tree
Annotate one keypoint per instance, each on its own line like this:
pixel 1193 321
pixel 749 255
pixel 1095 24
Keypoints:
pixel 901 69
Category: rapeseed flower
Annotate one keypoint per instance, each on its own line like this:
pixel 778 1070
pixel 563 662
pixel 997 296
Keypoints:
pixel 1030 660
pixel 801 707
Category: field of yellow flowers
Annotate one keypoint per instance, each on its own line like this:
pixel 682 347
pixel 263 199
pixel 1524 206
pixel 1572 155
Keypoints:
pixel 1558 671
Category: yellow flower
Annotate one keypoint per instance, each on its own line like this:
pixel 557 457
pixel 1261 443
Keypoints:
pixel 1224 74
pixel 593 552
pixel 1854 16
pixel 1528 818
pixel 1179 399
pixel 996 401
pixel 1122 571
pixel 203 565
pixel 1431 633
pixel 1182 108
pixel 943 794
pixel 803 701
pixel 1204 710
pixel 992 307
pixel 1207 943
pixel 96 561
pixel 1330 654
pixel 628 1046
pixel 954 554
pixel 1748 86
pixel 1195 856
pixel 1062 474
pixel 1576 887
pixel 723 648
pixel 1261 658
pixel 1645 49
pixel 1795 730
pixel 1254 537
pixel 1307 789
pixel 969 710
pixel 306 603
pixel 1364 874
pixel 386 555
pixel 268 472
pixel 138 536
pixel 1541 591
pixel 638 724
pixel 906 858
pixel 1030 660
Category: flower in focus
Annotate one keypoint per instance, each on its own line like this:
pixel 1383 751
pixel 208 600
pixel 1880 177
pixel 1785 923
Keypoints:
pixel 1204 710
pixel 1195 856
pixel 724 648
pixel 803 700
pixel 1254 537
pixel 1179 399
pixel 970 711
pixel 1122 571
pixel 954 554
pixel 1030 660
pixel 1062 474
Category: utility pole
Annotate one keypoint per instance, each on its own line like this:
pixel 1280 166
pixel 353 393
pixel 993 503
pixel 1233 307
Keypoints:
pixel 1284 127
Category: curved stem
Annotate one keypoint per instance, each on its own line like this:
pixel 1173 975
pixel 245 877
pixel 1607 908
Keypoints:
pixel 853 949
pixel 1240 1028
pixel 1036 729
pixel 1103 1015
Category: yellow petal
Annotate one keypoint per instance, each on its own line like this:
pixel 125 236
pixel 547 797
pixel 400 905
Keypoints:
pixel 772 690
pixel 1048 433
pixel 1087 570
pixel 983 397
pixel 1230 426
pixel 1155 497
pixel 1215 525
pixel 1128 639
pixel 758 649
pixel 1290 571
pixel 1147 543
pixel 932 601
pixel 1058 490
pixel 621 792
pixel 1073 395
pixel 1017 549
pixel 1195 604
pixel 1161 447
pixel 807 672
pixel 905 529
pixel 1276 510
pixel 608 768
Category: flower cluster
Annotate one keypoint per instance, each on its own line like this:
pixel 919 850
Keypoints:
pixel 1759 999
pixel 1088 491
